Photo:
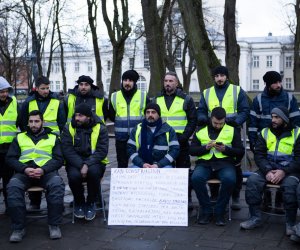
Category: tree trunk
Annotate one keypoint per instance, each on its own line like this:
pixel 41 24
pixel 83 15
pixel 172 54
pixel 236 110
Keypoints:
pixel 92 14
pixel 232 55
pixel 118 34
pixel 204 55
pixel 297 48
pixel 154 29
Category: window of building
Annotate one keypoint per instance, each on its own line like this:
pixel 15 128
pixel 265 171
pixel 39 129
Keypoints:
pixel 269 61
pixel 76 67
pixel 57 86
pixel 65 66
pixel 51 86
pixel 131 63
pixel 288 62
pixel 288 83
pixel 51 68
pixel 107 83
pixel 108 65
pixel 142 83
pixel 56 67
pixel 178 56
pixel 255 61
pixel 44 68
pixel 146 56
pixel 255 85
pixel 90 66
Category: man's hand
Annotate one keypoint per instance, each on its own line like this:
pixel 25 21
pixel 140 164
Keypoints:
pixel 278 175
pixel 269 176
pixel 146 165
pixel 210 145
pixel 220 147
pixel 84 170
pixel 38 172
pixel 154 166
pixel 29 172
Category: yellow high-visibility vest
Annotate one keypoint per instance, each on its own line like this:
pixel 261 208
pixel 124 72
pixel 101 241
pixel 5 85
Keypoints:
pixel 175 116
pixel 225 136
pixel 8 128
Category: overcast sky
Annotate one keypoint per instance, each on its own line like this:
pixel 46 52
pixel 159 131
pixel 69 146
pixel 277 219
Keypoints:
pixel 255 17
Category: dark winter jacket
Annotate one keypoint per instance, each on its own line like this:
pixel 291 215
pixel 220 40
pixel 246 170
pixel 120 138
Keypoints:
pixel 164 152
pixel 42 103
pixel 235 153
pixel 14 153
pixel 80 153
pixel 189 108
pixel 265 164
pixel 260 114
pixel 242 107
pixel 89 99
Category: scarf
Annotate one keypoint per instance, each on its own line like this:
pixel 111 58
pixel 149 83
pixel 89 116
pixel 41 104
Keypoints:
pixel 147 139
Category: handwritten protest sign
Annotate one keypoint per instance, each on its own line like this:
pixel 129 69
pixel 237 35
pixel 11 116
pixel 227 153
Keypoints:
pixel 148 197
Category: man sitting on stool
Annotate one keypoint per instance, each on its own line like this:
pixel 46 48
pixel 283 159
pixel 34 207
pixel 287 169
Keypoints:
pixel 85 147
pixel 217 146
pixel 35 156
pixel 277 156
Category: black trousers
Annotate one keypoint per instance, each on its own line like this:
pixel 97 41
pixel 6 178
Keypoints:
pixel 94 175
pixel 122 157
pixel 5 173
pixel 55 191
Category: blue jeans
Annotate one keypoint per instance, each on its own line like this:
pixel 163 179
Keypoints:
pixel 226 175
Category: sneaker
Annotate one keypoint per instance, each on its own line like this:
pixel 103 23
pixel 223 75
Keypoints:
pixel 295 238
pixel 220 220
pixel 54 232
pixel 236 205
pixel 289 230
pixel 79 211
pixel 205 219
pixel 17 235
pixel 90 212
pixel 252 223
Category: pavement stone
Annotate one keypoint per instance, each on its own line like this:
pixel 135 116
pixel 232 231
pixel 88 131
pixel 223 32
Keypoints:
pixel 98 235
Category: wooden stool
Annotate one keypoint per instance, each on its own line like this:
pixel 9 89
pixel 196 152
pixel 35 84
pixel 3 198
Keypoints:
pixel 40 213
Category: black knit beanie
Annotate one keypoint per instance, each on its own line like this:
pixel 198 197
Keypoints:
pixel 84 109
pixel 154 106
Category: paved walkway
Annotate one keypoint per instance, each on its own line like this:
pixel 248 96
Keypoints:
pixel 97 235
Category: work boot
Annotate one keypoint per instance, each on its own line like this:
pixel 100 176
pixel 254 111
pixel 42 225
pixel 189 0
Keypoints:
pixel 205 219
pixel 17 235
pixel 295 238
pixel 54 232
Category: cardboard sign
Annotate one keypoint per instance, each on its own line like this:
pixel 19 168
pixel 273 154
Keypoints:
pixel 148 197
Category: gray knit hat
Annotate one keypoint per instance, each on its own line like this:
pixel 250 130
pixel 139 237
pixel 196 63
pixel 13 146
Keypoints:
pixel 5 85
pixel 282 112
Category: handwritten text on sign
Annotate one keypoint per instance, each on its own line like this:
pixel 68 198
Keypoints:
pixel 148 197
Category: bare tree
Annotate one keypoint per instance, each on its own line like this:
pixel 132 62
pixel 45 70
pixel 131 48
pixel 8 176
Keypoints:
pixel 118 33
pixel 154 29
pixel 297 47
pixel 232 48
pixel 92 15
pixel 204 55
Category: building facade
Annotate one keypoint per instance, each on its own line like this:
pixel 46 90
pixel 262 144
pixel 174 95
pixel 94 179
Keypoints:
pixel 258 55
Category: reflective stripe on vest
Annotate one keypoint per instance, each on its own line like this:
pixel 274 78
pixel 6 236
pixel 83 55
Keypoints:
pixel 138 139
pixel 71 107
pixel 175 116
pixel 40 153
pixel 225 136
pixel 50 114
pixel 128 116
pixel 8 128
pixel 280 150
pixel 229 101
pixel 94 138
